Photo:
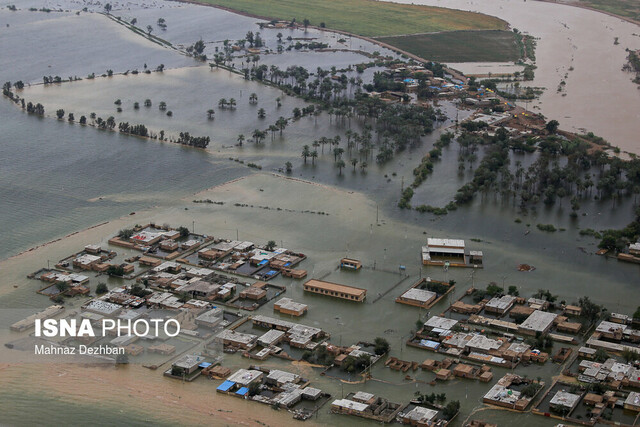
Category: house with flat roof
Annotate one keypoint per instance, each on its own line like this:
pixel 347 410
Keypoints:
pixel 500 305
pixel 186 365
pixel 246 377
pixel 437 250
pixel 211 318
pixel 564 402
pixel 632 402
pixel 417 297
pixel 537 322
pixel 335 290
pixel 350 264
pixel 237 339
pixel 288 306
pixel 418 416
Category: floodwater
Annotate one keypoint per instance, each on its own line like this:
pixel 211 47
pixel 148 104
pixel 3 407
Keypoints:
pixel 57 178
pixel 350 229
pixel 578 43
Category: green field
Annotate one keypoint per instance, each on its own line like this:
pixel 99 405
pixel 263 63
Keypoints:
pixel 625 8
pixel 460 46
pixel 366 17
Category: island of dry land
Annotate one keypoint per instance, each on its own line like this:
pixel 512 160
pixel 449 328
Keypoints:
pixel 399 24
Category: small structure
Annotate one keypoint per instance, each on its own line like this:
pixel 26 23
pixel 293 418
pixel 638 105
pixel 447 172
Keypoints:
pixel 350 264
pixel 93 249
pixel 288 306
pixel 186 365
pixel 573 310
pixel 336 290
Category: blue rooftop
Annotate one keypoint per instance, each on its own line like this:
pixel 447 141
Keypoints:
pixel 225 386
pixel 242 391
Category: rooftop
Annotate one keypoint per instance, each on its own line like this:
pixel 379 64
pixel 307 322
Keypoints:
pixel 440 323
pixel 236 336
pixel 350 404
pixel 454 243
pixel 244 376
pixel 633 399
pixel 538 321
pixel 102 307
pixel 330 286
pixel 289 304
pixel 188 361
pixel 421 414
pixel 502 303
pixel 564 398
pixel 421 295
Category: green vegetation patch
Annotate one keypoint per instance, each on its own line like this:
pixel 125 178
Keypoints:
pixel 366 17
pixel 460 46
pixel 625 8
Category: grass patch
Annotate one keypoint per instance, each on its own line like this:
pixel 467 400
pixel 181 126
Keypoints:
pixel 460 46
pixel 366 17
pixel 626 8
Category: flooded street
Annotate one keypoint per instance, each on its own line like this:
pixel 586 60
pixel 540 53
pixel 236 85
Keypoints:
pixel 579 44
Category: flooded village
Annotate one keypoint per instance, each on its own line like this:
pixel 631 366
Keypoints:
pixel 323 227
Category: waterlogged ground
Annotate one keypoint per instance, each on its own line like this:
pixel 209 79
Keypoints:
pixel 188 93
pixel 57 178
pixel 348 229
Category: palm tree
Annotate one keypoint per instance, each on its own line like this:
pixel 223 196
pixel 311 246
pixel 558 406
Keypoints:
pixel 278 103
pixel 240 139
pixel 222 103
pixel 273 129
pixel 314 156
pixel 210 113
pixel 281 123
pixel 340 164
pixel 363 166
pixel 162 105
pixel 288 166
pixel 261 113
pixel 337 153
pixel 253 98
pixel 305 153
pixel 256 135
pixel 354 162
pixel 232 103
pixel 147 102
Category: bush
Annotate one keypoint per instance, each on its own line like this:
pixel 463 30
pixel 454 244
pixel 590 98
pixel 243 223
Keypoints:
pixel 102 288
pixel 546 227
